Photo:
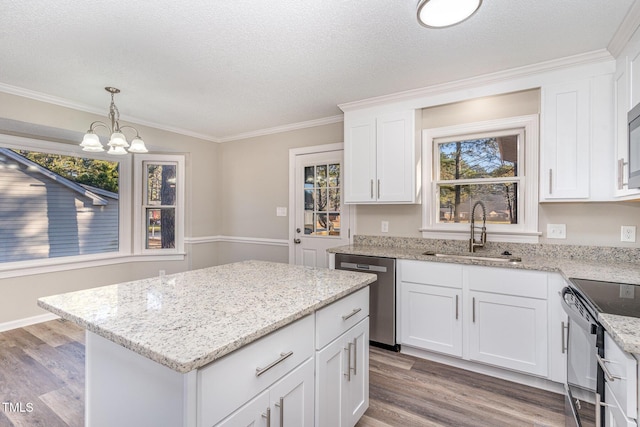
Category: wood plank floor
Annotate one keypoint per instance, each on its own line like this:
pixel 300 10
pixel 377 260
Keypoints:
pixel 407 391
pixel 43 365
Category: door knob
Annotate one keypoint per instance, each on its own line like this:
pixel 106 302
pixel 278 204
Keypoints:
pixel 298 230
pixel 297 241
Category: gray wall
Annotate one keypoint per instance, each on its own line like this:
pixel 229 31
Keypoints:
pixel 202 211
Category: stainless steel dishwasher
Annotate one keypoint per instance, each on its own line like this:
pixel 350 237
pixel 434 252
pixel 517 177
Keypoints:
pixel 382 296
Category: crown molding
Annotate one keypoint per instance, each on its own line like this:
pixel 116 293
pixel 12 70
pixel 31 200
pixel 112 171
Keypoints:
pixel 50 99
pixel 284 128
pixel 625 30
pixel 485 79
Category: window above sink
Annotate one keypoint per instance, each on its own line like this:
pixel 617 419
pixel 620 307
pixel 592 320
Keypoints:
pixel 494 162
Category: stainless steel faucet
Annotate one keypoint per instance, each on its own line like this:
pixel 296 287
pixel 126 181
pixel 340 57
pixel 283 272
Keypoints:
pixel 473 244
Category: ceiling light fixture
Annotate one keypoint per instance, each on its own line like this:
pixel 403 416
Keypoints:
pixel 445 13
pixel 118 144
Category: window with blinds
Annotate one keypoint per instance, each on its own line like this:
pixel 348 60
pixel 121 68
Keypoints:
pixel 56 205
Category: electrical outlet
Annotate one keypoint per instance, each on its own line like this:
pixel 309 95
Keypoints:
pixel 556 231
pixel 627 291
pixel 384 226
pixel 628 233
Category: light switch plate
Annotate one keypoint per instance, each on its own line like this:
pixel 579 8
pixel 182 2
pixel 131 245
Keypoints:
pixel 556 231
pixel 280 211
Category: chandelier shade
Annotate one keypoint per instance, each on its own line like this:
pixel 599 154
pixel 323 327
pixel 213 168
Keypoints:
pixel 118 143
pixel 445 13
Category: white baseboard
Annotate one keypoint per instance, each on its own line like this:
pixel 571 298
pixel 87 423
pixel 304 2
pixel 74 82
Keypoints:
pixel 14 324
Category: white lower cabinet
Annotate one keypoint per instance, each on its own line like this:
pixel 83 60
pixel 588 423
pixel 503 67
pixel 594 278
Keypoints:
pixel 431 318
pixel 621 385
pixel 496 316
pixel 342 382
pixel 289 402
pixel 509 331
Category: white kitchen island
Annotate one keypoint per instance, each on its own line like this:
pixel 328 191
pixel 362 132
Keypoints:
pixel 232 345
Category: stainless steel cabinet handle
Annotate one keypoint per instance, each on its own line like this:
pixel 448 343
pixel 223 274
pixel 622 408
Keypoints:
pixel 355 356
pixel 283 356
pixel 620 173
pixel 473 309
pixel 602 362
pixel 280 405
pixel 378 189
pixel 372 189
pixel 550 181
pixel 456 307
pixel 564 343
pixel 353 313
pixel 268 417
pixel 599 405
pixel 348 373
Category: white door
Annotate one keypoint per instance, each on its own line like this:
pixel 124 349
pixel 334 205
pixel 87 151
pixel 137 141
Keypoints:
pixel 321 218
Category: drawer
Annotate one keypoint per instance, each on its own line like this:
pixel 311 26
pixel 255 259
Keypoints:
pixel 340 316
pixel 431 273
pixel 622 366
pixel 508 281
pixel 228 383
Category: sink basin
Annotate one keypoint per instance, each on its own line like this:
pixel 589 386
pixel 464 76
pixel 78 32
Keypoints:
pixel 476 257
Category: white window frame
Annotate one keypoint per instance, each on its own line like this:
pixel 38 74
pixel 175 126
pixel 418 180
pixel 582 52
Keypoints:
pixel 130 226
pixel 526 231
pixel 139 185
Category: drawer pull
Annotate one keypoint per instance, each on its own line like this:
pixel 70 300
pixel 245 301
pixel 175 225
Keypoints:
pixel 602 362
pixel 353 313
pixel 283 356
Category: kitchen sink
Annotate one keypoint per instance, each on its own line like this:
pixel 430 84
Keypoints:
pixel 476 257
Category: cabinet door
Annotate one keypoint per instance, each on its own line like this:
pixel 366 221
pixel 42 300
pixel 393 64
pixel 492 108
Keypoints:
pixel 342 390
pixel 330 388
pixel 508 331
pixel 292 397
pixel 395 166
pixel 565 143
pixel 253 414
pixel 357 385
pixel 431 318
pixel 359 160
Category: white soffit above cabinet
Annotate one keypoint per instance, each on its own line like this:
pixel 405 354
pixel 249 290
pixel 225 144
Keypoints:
pixel 225 69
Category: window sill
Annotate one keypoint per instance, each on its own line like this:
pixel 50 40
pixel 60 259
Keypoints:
pixel 492 236
pixel 28 268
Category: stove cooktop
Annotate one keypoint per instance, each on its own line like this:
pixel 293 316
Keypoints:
pixel 609 297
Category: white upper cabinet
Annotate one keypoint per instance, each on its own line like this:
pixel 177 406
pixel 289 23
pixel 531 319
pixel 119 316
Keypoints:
pixel 576 140
pixel 381 157
pixel 627 95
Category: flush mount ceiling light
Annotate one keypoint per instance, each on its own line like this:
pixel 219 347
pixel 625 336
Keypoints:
pixel 445 13
pixel 118 144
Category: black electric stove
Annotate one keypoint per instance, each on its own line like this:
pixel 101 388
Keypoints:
pixel 609 297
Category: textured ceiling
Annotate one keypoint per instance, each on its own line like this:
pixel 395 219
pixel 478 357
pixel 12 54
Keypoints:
pixel 220 68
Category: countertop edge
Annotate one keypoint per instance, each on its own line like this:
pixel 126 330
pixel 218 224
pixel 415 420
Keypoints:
pixel 182 366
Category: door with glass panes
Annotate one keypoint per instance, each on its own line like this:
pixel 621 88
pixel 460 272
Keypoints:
pixel 322 220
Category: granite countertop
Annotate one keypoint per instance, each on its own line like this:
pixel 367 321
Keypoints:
pixel 187 320
pixel 571 262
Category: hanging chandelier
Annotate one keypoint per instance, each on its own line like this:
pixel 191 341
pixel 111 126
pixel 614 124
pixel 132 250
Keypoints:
pixel 118 144
pixel 445 13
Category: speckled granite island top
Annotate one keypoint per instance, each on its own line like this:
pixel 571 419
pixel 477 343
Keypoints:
pixel 190 319
pixel 608 264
